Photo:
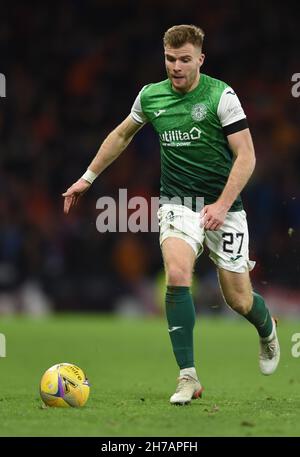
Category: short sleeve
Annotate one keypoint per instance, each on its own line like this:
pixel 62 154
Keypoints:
pixel 229 108
pixel 136 112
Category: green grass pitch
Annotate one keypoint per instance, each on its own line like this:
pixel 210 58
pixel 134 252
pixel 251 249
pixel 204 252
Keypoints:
pixel 132 373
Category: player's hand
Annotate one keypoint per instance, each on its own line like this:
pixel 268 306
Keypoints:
pixel 73 193
pixel 213 216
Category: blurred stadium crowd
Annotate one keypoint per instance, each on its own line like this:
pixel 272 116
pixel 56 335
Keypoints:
pixel 73 70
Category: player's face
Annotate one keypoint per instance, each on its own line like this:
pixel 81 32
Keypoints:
pixel 183 65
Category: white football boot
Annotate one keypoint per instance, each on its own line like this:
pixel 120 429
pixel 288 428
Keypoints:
pixel 269 354
pixel 188 388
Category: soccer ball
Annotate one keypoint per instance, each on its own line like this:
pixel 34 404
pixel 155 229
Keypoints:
pixel 64 385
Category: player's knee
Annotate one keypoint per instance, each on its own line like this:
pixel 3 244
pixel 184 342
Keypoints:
pixel 178 276
pixel 240 303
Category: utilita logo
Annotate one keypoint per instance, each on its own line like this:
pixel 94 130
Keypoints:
pixel 2 86
pixel 179 138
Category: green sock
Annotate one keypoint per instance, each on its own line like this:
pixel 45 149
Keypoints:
pixel 259 316
pixel 180 312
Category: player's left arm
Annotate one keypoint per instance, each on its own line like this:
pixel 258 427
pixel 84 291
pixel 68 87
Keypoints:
pixel 235 127
pixel 244 164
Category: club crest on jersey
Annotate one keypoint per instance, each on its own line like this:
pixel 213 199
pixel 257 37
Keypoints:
pixel 199 112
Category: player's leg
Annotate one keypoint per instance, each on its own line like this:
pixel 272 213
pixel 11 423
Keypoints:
pixel 179 259
pixel 229 251
pixel 180 243
pixel 238 294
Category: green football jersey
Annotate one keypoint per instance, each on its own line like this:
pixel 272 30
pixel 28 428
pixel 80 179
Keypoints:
pixel 195 155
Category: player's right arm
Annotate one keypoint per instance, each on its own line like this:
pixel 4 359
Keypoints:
pixel 113 145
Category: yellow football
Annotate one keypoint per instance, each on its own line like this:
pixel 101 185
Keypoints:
pixel 64 385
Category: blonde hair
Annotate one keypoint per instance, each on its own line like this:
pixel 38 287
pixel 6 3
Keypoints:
pixel 179 35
